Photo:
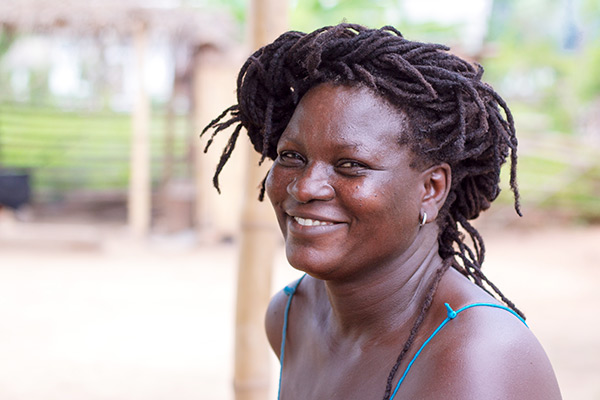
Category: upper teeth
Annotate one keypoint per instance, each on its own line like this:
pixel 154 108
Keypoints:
pixel 311 222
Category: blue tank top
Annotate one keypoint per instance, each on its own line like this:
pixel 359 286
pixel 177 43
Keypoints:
pixel 451 314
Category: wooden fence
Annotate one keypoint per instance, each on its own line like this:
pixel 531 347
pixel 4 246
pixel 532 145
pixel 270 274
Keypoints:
pixel 82 150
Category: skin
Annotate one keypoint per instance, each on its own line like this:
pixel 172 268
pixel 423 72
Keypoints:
pixel 369 266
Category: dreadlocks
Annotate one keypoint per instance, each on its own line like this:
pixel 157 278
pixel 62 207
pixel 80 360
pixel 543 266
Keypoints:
pixel 454 117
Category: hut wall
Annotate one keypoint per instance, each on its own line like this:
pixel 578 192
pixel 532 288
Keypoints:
pixel 220 214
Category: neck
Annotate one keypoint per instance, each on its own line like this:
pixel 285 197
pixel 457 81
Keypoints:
pixel 386 300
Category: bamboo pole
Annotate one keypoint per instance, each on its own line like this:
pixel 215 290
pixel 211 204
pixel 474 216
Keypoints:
pixel 259 235
pixel 139 181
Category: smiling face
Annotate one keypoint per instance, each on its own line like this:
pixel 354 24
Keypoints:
pixel 345 195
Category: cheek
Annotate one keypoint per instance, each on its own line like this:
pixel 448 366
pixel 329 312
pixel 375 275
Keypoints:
pixel 276 192
pixel 276 185
pixel 273 185
pixel 269 184
pixel 389 203
pixel 368 197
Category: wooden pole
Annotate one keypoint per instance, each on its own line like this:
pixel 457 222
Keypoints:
pixel 268 19
pixel 139 181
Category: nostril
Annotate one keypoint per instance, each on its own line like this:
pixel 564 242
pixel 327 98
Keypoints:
pixel 312 183
pixel 306 189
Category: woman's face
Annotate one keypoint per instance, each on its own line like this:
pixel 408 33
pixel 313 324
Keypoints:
pixel 342 187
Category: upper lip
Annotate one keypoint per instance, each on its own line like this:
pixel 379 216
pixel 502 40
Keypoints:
pixel 313 216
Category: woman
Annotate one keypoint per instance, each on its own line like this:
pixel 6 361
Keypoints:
pixel 382 148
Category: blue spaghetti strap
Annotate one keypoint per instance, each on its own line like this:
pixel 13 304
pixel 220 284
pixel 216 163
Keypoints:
pixel 289 291
pixel 451 315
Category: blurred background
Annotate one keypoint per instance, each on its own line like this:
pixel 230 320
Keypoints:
pixel 118 259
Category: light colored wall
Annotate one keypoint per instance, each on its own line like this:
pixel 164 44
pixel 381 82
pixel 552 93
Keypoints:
pixel 219 214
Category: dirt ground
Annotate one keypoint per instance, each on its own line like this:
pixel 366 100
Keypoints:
pixel 87 313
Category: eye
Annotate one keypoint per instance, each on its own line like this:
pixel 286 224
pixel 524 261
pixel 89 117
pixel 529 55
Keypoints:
pixel 351 164
pixel 290 158
pixel 351 167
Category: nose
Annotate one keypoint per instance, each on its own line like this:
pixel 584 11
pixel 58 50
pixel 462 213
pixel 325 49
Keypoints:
pixel 312 184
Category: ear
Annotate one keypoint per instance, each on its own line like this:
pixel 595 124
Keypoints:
pixel 436 185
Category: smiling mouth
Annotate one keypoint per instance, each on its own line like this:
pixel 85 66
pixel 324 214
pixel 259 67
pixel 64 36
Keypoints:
pixel 311 222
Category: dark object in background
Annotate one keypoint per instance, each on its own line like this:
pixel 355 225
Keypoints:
pixel 15 190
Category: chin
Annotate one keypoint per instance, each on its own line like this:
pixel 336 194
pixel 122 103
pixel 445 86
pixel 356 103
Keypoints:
pixel 322 271
pixel 309 262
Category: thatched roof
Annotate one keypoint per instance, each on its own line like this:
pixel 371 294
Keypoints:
pixel 93 17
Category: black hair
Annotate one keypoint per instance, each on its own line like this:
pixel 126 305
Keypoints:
pixel 454 117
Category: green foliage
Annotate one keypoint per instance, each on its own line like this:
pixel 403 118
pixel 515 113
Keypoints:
pixel 557 175
pixel 537 60
pixel 581 196
pixel 308 15
pixel 237 8
pixel 7 38
pixel 587 80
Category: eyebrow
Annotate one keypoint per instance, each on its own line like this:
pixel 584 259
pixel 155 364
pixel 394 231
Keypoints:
pixel 338 146
pixel 353 146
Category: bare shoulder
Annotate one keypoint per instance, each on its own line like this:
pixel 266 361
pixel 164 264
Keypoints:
pixel 275 315
pixel 487 353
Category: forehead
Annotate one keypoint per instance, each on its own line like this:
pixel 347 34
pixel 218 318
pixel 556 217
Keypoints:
pixel 348 113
